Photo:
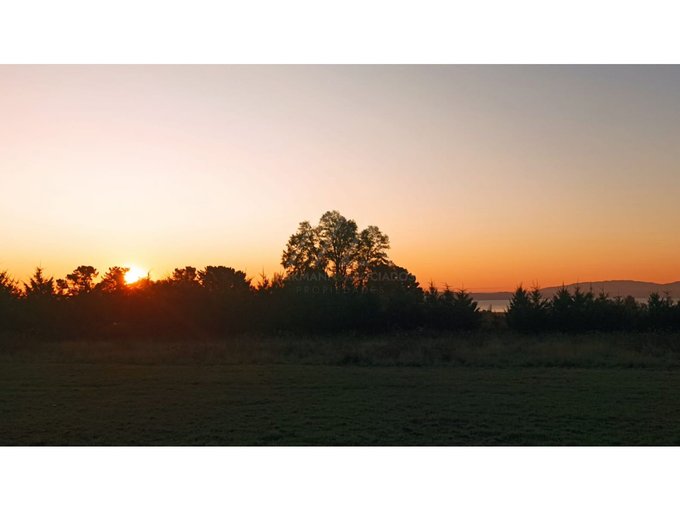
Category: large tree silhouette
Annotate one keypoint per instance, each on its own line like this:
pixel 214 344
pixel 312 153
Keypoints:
pixel 302 254
pixel 336 248
pixel 371 253
pixel 338 242
pixel 337 278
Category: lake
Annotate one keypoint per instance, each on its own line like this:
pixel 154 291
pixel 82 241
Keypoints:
pixel 501 305
pixel 494 305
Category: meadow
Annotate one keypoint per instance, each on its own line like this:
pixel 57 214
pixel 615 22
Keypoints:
pixel 421 388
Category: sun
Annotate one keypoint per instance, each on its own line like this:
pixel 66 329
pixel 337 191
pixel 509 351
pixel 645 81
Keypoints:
pixel 134 275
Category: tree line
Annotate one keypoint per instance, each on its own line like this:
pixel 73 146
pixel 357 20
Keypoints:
pixel 582 311
pixel 335 277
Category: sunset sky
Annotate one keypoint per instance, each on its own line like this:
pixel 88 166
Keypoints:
pixel 483 177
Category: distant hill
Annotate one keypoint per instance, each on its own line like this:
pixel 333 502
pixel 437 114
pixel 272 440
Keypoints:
pixel 611 287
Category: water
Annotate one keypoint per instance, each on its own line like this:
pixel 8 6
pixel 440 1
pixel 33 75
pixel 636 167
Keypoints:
pixel 501 305
pixel 495 305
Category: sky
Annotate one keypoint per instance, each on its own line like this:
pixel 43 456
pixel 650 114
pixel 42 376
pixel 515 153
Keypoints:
pixel 484 177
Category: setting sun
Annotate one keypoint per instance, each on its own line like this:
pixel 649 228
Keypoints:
pixel 134 275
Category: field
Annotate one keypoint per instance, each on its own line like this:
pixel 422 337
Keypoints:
pixel 402 390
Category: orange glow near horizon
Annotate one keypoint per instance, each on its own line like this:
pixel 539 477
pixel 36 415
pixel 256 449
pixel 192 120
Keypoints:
pixel 482 176
pixel 134 275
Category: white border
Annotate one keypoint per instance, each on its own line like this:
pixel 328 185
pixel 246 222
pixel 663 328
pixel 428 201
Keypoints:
pixel 338 478
pixel 347 31
pixel 350 31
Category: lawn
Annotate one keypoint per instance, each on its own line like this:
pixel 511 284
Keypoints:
pixel 109 400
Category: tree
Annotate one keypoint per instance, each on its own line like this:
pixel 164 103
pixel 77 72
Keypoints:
pixel 81 280
pixel 61 287
pixel 338 242
pixel 432 294
pixel 521 314
pixel 389 278
pixel 39 285
pixel 303 254
pixel 9 288
pixel 660 311
pixel 336 249
pixel 187 275
pixel 9 300
pixel 371 253
pixel 561 310
pixel 113 280
pixel 451 309
pixel 266 285
pixel 465 310
pixel 221 278
pixel 537 300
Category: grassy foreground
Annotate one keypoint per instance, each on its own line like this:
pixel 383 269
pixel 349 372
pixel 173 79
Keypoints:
pixel 380 391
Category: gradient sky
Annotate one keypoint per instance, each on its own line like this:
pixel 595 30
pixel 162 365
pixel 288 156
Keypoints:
pixel 482 176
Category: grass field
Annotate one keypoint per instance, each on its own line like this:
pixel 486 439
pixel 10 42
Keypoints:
pixel 232 393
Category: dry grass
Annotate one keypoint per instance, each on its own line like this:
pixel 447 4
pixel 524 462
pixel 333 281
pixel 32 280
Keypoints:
pixel 484 349
pixel 422 389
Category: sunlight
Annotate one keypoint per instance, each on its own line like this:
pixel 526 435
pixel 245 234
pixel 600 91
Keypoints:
pixel 134 275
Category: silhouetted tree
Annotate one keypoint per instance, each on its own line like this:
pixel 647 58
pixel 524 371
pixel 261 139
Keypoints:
pixel 267 286
pixel 561 307
pixel 466 313
pixel 61 287
pixel 9 287
pixel 185 276
pixel 582 311
pixel 81 280
pixel 335 249
pixel 371 253
pixel 9 301
pixel 527 311
pixel 432 294
pixel 338 243
pixel 221 278
pixel 660 312
pixel 113 280
pixel 388 279
pixel 336 278
pixel 450 309
pixel 40 311
pixel 39 286
pixel 397 295
pixel 302 254
pixel 227 304
pixel 519 312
